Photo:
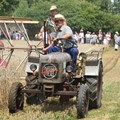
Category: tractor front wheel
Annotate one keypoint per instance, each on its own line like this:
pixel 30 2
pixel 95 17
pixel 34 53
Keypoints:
pixel 16 98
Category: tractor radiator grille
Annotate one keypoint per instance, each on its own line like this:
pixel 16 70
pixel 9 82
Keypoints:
pixel 49 71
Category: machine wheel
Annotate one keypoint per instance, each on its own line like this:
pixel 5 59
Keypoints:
pixel 82 101
pixel 95 88
pixel 16 98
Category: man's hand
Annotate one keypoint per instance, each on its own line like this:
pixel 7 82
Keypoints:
pixel 44 49
pixel 55 39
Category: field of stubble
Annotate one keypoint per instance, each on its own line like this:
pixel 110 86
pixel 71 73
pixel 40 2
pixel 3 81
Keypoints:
pixel 52 109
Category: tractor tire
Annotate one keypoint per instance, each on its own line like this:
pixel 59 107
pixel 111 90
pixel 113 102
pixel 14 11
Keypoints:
pixel 82 101
pixel 95 90
pixel 16 98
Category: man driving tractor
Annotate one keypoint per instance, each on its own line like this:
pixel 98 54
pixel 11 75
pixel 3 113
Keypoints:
pixel 63 37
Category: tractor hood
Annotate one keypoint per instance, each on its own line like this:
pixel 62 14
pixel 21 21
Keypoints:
pixel 55 57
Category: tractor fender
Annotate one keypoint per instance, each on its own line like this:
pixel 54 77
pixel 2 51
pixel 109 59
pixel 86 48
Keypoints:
pixel 92 67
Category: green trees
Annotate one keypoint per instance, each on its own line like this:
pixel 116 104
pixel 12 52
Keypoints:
pixel 8 6
pixel 116 7
pixel 104 5
pixel 22 10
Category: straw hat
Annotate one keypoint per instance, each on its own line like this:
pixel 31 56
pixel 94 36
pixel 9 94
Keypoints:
pixel 53 7
pixel 59 17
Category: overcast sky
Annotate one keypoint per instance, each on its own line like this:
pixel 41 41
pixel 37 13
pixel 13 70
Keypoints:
pixel 112 0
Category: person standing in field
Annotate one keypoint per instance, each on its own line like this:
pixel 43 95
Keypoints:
pixel 76 36
pixel 81 36
pixel 88 37
pixel 100 37
pixel 117 41
pixel 16 35
pixel 93 38
pixel 50 25
pixel 108 38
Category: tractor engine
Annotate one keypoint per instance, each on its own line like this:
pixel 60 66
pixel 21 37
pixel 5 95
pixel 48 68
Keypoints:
pixel 49 68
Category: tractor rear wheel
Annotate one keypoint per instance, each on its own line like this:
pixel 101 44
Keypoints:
pixel 95 90
pixel 16 98
pixel 82 101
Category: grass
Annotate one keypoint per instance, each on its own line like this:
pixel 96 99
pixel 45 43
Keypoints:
pixel 53 110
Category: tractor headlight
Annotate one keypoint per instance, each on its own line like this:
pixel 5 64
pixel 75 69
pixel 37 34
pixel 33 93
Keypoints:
pixel 33 67
pixel 69 68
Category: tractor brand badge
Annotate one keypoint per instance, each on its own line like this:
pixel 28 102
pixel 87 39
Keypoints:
pixel 49 71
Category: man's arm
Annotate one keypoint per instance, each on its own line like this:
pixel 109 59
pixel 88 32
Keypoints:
pixel 65 37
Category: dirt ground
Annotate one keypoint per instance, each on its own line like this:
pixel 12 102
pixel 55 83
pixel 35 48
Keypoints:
pixel 111 74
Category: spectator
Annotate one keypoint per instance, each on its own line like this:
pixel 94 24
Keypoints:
pixel 76 36
pixel 81 36
pixel 100 37
pixel 108 38
pixel 105 41
pixel 50 25
pixel 16 35
pixel 13 36
pixel 88 37
pixel 93 38
pixel 117 41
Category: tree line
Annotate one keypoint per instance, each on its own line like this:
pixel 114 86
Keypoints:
pixel 90 15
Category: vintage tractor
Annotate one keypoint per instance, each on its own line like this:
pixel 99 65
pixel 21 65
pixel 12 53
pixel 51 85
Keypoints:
pixel 50 75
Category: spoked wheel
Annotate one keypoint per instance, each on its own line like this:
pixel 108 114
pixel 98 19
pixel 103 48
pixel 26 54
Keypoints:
pixel 16 98
pixel 82 101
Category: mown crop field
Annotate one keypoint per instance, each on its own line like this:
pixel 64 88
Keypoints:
pixel 51 109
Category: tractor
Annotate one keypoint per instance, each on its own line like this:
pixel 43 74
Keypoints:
pixel 50 75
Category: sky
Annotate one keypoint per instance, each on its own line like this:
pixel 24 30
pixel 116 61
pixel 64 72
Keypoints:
pixel 112 0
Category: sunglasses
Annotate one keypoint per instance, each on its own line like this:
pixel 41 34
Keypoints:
pixel 56 21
